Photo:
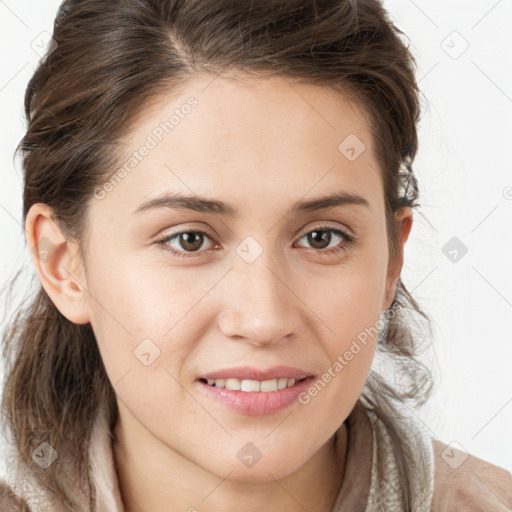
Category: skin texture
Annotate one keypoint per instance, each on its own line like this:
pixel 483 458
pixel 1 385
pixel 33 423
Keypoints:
pixel 259 145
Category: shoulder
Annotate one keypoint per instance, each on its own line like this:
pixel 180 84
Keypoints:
pixel 465 482
pixel 10 502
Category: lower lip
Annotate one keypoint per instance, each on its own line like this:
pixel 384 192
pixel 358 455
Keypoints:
pixel 256 402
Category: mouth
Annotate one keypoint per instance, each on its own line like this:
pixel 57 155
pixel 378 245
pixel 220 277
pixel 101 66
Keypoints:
pixel 253 385
pixel 255 397
pixel 255 391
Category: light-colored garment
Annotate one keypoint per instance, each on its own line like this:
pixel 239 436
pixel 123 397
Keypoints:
pixel 452 480
pixel 370 483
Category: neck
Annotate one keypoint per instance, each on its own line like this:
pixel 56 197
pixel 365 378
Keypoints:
pixel 175 483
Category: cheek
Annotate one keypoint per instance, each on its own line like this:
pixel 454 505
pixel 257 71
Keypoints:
pixel 348 298
pixel 352 313
pixel 141 315
pixel 348 311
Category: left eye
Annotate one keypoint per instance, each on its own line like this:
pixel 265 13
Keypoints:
pixel 319 236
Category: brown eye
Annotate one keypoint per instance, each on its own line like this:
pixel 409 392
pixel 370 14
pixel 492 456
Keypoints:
pixel 191 240
pixel 321 238
pixel 185 242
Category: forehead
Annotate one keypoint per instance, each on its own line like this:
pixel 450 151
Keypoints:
pixel 248 140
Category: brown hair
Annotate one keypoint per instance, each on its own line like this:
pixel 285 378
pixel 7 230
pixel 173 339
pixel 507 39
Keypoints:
pixel 112 57
pixel 9 502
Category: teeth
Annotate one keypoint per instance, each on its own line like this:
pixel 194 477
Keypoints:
pixel 249 385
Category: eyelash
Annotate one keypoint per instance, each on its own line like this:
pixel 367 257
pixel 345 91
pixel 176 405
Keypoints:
pixel 349 240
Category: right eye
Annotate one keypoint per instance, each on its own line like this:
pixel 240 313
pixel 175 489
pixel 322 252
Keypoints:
pixel 190 241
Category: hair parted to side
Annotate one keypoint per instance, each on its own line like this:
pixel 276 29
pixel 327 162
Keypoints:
pixel 113 57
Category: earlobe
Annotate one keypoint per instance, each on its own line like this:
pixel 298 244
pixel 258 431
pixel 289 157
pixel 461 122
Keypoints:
pixel 404 224
pixel 57 263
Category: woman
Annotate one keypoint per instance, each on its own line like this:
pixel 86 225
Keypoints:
pixel 217 198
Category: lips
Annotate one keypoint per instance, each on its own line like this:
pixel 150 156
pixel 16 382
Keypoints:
pixel 255 403
pixel 250 373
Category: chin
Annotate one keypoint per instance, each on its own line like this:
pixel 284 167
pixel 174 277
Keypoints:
pixel 262 471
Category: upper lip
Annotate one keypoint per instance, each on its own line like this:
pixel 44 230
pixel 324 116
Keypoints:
pixel 250 373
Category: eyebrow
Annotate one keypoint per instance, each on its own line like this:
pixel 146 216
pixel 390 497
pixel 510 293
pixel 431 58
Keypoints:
pixel 180 201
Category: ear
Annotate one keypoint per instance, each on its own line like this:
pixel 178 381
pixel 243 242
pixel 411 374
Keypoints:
pixel 57 263
pixel 403 217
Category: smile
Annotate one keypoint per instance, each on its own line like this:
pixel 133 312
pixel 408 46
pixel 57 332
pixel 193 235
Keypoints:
pixel 250 385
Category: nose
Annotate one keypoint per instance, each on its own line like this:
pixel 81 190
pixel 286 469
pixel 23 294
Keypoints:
pixel 261 307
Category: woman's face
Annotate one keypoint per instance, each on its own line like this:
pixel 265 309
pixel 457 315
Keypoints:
pixel 268 284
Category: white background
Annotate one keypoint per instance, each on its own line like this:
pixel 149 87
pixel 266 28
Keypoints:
pixel 465 173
